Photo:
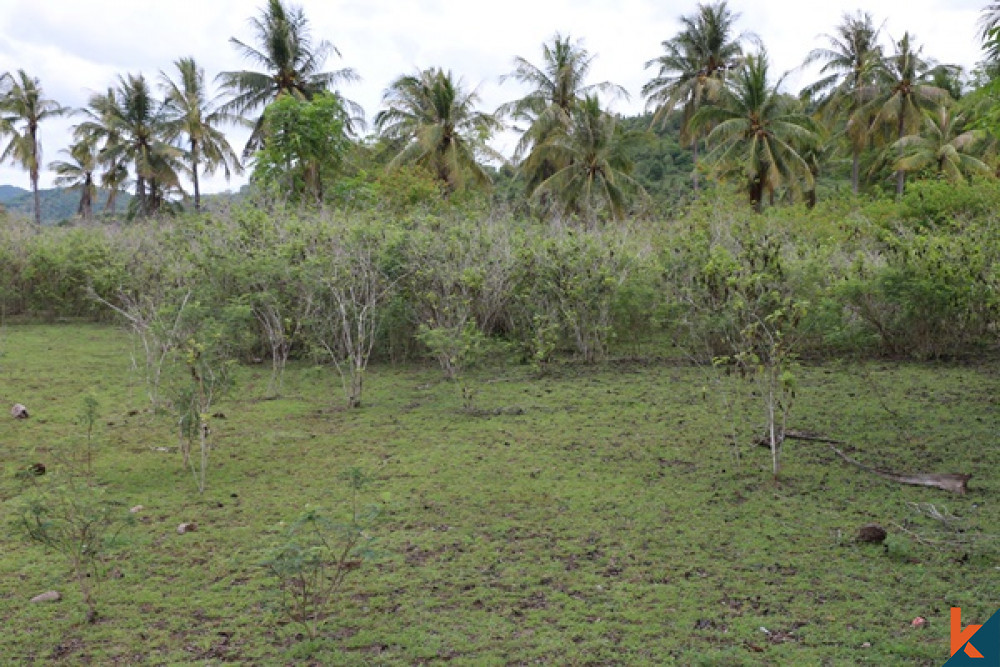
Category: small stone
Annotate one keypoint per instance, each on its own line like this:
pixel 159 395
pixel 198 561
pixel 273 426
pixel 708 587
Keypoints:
pixel 872 533
pixel 866 645
pixel 136 509
pixel 187 528
pixel 19 411
pixel 919 621
pixel 50 596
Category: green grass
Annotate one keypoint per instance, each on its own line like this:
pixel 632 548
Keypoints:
pixel 599 515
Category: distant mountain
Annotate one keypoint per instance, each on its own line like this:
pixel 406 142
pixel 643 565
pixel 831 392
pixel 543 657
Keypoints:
pixel 58 204
pixel 9 193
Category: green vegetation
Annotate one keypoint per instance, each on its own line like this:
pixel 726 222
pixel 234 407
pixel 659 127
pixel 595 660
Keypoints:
pixel 608 518
pixel 876 115
pixel 437 408
pixel 589 489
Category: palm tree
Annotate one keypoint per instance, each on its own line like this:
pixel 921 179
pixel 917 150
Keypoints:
pixel 78 173
pixel 903 92
pixel 849 61
pixel 758 135
pixel 989 21
pixel 945 145
pixel 22 108
pixel 596 168
pixel 557 85
pixel 291 62
pixel 189 114
pixel 100 129
pixel 130 124
pixel 438 123
pixel 692 69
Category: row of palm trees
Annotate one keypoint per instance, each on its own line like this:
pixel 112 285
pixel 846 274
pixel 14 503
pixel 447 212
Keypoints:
pixel 900 103
pixel 572 154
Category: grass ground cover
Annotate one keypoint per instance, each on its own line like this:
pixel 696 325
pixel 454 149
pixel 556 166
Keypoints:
pixel 596 515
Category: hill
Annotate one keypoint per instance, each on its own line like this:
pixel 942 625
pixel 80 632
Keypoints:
pixel 58 204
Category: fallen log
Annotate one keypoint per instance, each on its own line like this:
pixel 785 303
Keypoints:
pixel 954 482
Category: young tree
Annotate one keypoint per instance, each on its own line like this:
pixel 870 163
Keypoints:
pixel 945 146
pixel 22 109
pixel 439 126
pixel 304 146
pixel 291 63
pixel 191 117
pixel 352 288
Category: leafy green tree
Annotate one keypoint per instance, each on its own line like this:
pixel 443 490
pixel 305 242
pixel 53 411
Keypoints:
pixel 292 64
pixel 903 92
pixel 558 85
pixel 850 60
pixel 596 171
pixel 78 173
pixel 758 135
pixel 439 127
pixel 693 69
pixel 190 115
pixel 945 146
pixel 22 108
pixel 304 145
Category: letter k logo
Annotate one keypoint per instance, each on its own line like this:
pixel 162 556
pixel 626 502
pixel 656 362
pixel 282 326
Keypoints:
pixel 960 637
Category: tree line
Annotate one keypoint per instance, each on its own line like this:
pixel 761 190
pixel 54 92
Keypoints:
pixel 876 113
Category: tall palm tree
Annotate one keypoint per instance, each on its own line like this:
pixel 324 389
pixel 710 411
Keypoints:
pixel 292 65
pixel 190 116
pixel 438 123
pixel 78 173
pixel 101 129
pixel 131 126
pixel 596 168
pixel 758 135
pixel 22 108
pixel 693 67
pixel 850 60
pixel 557 86
pixel 903 92
pixel 944 145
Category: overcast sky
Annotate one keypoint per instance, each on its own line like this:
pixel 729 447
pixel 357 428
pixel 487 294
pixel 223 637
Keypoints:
pixel 77 48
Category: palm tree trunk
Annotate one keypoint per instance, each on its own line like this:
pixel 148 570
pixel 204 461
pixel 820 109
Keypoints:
pixel 140 193
pixel 900 174
pixel 694 173
pixel 33 172
pixel 855 169
pixel 757 194
pixel 194 175
pixel 87 199
pixel 38 199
